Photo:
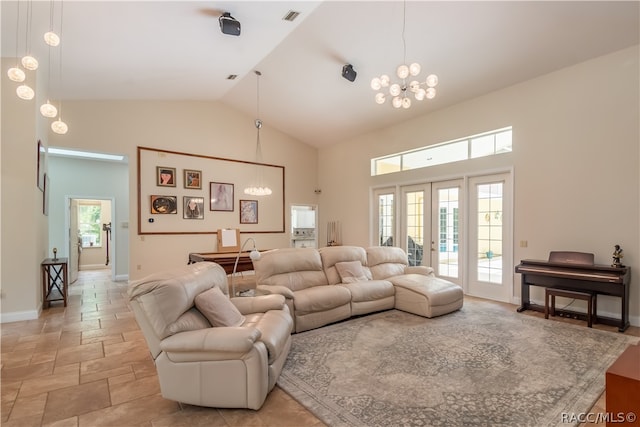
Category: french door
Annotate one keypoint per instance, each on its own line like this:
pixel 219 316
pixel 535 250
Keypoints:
pixel 490 249
pixel 461 228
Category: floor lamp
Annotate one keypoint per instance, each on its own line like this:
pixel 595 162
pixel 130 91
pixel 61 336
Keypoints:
pixel 254 255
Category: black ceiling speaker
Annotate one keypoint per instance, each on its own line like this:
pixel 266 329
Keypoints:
pixel 229 25
pixel 349 73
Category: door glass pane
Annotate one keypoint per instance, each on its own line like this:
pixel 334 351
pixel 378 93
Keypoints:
pixel 385 215
pixel 415 229
pixel 490 200
pixel 448 231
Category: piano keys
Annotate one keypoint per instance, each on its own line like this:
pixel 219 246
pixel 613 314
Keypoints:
pixel 576 271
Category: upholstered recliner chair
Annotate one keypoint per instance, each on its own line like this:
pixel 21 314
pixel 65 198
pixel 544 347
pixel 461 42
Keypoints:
pixel 210 350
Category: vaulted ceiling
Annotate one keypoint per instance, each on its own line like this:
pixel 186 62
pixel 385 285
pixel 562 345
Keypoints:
pixel 174 50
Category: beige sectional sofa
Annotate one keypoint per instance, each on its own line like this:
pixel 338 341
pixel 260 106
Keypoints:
pixel 330 284
pixel 232 365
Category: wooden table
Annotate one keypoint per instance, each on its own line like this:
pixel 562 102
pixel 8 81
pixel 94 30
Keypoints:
pixel 225 259
pixel 623 388
pixel 54 278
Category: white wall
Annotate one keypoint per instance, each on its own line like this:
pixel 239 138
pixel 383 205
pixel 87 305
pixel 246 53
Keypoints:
pixel 24 226
pixel 204 128
pixel 88 179
pixel 575 160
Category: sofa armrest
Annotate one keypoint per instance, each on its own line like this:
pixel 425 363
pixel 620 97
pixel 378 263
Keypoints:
pixel 419 269
pixel 259 304
pixel 228 340
pixel 277 289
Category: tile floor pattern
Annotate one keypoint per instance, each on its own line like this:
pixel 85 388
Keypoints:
pixel 88 365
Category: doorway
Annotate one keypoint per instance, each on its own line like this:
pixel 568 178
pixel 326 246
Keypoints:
pixel 304 226
pixel 89 238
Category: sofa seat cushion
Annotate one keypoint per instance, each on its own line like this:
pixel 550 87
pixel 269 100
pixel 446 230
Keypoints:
pixel 276 327
pixel 370 290
pixel 426 295
pixel 320 298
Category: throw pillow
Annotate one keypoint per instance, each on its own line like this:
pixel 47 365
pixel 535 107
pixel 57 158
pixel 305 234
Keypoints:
pixel 351 271
pixel 218 309
pixel 190 321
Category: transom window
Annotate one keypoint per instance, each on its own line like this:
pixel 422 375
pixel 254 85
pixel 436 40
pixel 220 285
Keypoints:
pixel 470 147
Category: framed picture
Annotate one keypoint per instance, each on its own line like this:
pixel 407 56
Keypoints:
pixel 166 177
pixel 248 211
pixel 220 196
pixel 40 173
pixel 193 179
pixel 164 205
pixel 192 207
pixel 45 195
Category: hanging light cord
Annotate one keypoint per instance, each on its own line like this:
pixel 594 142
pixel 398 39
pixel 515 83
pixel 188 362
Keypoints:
pixel 17 32
pixel 28 27
pixel 404 24
pixel 60 62
pixel 258 121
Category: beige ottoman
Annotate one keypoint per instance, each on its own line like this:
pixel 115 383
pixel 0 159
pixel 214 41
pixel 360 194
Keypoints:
pixel 426 296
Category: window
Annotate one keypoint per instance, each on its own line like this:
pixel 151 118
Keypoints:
pixel 486 144
pixel 490 200
pixel 386 218
pixel 90 223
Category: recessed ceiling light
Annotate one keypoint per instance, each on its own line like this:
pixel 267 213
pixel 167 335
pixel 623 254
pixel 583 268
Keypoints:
pixel 85 154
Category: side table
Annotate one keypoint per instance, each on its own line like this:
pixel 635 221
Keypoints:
pixel 54 278
pixel 623 388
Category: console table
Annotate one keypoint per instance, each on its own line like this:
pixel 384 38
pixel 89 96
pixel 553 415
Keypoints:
pixel 225 259
pixel 54 278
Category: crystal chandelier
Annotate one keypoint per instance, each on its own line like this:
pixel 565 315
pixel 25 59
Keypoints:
pixel 258 189
pixel 399 90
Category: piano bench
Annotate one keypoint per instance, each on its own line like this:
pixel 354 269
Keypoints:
pixel 553 293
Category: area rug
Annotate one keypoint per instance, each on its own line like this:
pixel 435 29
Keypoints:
pixel 484 365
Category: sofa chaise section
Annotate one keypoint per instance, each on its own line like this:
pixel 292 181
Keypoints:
pixel 417 290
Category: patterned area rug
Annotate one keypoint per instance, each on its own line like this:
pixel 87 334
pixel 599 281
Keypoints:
pixel 485 365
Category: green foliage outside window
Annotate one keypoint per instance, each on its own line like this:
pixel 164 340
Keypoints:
pixel 90 224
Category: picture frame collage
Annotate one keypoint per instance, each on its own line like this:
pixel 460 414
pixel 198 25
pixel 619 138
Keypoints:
pixel 192 193
pixel 221 197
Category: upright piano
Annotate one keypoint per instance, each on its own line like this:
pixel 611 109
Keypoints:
pixel 576 271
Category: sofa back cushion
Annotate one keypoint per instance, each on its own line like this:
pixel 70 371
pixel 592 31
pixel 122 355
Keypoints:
pixel 295 268
pixel 386 261
pixel 340 259
pixel 164 297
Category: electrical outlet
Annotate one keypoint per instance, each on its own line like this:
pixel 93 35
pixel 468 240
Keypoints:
pixel 523 243
pixel 139 267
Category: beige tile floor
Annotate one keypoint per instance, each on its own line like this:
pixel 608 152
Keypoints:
pixel 88 365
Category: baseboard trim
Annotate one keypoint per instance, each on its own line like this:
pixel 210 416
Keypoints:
pixel 17 316
pixel 121 278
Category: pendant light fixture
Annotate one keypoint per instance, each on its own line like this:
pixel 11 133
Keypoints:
pixel 28 61
pixel 48 109
pixel 15 73
pixel 399 90
pixel 258 188
pixel 50 37
pixel 59 126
